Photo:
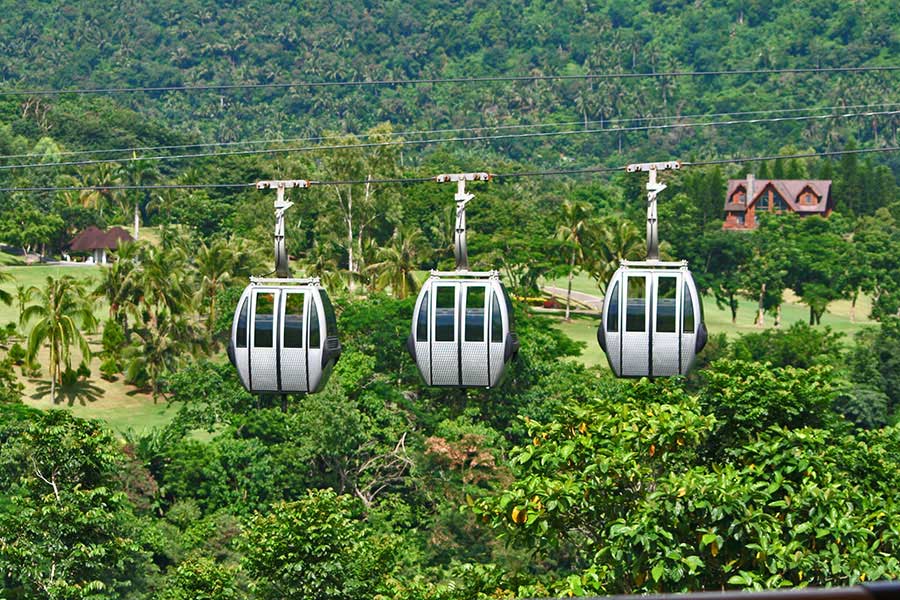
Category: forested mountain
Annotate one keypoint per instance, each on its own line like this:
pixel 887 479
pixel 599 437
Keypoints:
pixel 57 45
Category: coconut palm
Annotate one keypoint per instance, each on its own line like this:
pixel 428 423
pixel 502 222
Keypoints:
pixel 215 264
pixel 138 172
pixel 160 350
pixel 397 262
pixel 24 295
pixel 60 314
pixel 572 231
pixel 615 240
pixel 5 296
pixel 117 286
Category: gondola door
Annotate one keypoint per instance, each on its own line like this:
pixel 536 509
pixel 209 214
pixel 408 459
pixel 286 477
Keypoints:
pixel 474 348
pixel 612 324
pixel 314 340
pixel 690 319
pixel 636 340
pixel 445 350
pixel 293 343
pixel 496 330
pixel 263 350
pixel 666 324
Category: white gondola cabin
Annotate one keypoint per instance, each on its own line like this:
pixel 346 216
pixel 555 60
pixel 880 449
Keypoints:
pixel 462 330
pixel 652 324
pixel 652 319
pixel 284 336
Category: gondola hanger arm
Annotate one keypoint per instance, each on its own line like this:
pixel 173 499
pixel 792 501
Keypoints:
pixel 462 198
pixel 282 268
pixel 654 187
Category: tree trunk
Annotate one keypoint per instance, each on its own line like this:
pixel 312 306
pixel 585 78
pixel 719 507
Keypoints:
pixel 732 303
pixel 761 311
pixel 137 218
pixel 812 315
pixel 778 317
pixel 569 292
pixel 350 264
pixel 853 305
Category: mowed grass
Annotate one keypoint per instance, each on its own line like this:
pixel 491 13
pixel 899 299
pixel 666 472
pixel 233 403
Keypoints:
pixel 36 275
pixel 122 406
pixel 583 327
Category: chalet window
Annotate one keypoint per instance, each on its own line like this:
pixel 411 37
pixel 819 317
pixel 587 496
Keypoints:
pixel 763 202
pixel 739 219
pixel 739 197
pixel 778 202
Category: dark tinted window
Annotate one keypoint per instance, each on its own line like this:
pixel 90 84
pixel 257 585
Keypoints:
pixel 612 315
pixel 665 304
pixel 445 313
pixel 262 320
pixel 422 322
pixel 293 320
pixel 496 320
pixel 636 307
pixel 315 326
pixel 330 320
pixel 475 301
pixel 241 341
pixel 687 323
pixel 509 307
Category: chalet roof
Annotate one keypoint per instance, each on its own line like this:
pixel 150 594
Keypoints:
pixel 790 190
pixel 94 238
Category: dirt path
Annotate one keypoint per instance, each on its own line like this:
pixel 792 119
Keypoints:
pixel 594 302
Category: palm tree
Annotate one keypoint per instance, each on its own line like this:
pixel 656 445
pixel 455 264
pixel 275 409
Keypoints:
pixel 617 239
pixel 117 286
pixel 5 296
pixel 398 262
pixel 161 350
pixel 24 295
pixel 163 281
pixel 215 265
pixel 61 312
pixel 572 231
pixel 138 172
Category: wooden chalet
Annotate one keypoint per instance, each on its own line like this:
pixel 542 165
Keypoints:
pixel 746 198
pixel 97 242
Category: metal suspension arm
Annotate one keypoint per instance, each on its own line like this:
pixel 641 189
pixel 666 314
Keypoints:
pixel 653 189
pixel 462 197
pixel 282 266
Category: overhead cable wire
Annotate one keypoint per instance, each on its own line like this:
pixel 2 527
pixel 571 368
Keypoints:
pixel 415 180
pixel 318 138
pixel 475 138
pixel 443 80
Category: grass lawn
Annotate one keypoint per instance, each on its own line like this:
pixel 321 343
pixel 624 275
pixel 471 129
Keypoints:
pixel 122 406
pixel 36 275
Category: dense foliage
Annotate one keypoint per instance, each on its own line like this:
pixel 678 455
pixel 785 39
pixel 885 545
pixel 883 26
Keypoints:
pixel 775 464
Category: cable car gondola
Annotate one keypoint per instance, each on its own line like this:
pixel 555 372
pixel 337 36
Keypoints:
pixel 652 320
pixel 462 327
pixel 284 335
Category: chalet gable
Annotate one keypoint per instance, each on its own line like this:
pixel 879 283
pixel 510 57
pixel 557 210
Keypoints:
pixel 746 197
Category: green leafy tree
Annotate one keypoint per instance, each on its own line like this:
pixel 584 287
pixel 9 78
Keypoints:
pixel 317 547
pixel 58 318
pixel 69 530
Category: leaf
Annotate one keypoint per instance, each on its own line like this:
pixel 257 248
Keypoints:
pixel 657 572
